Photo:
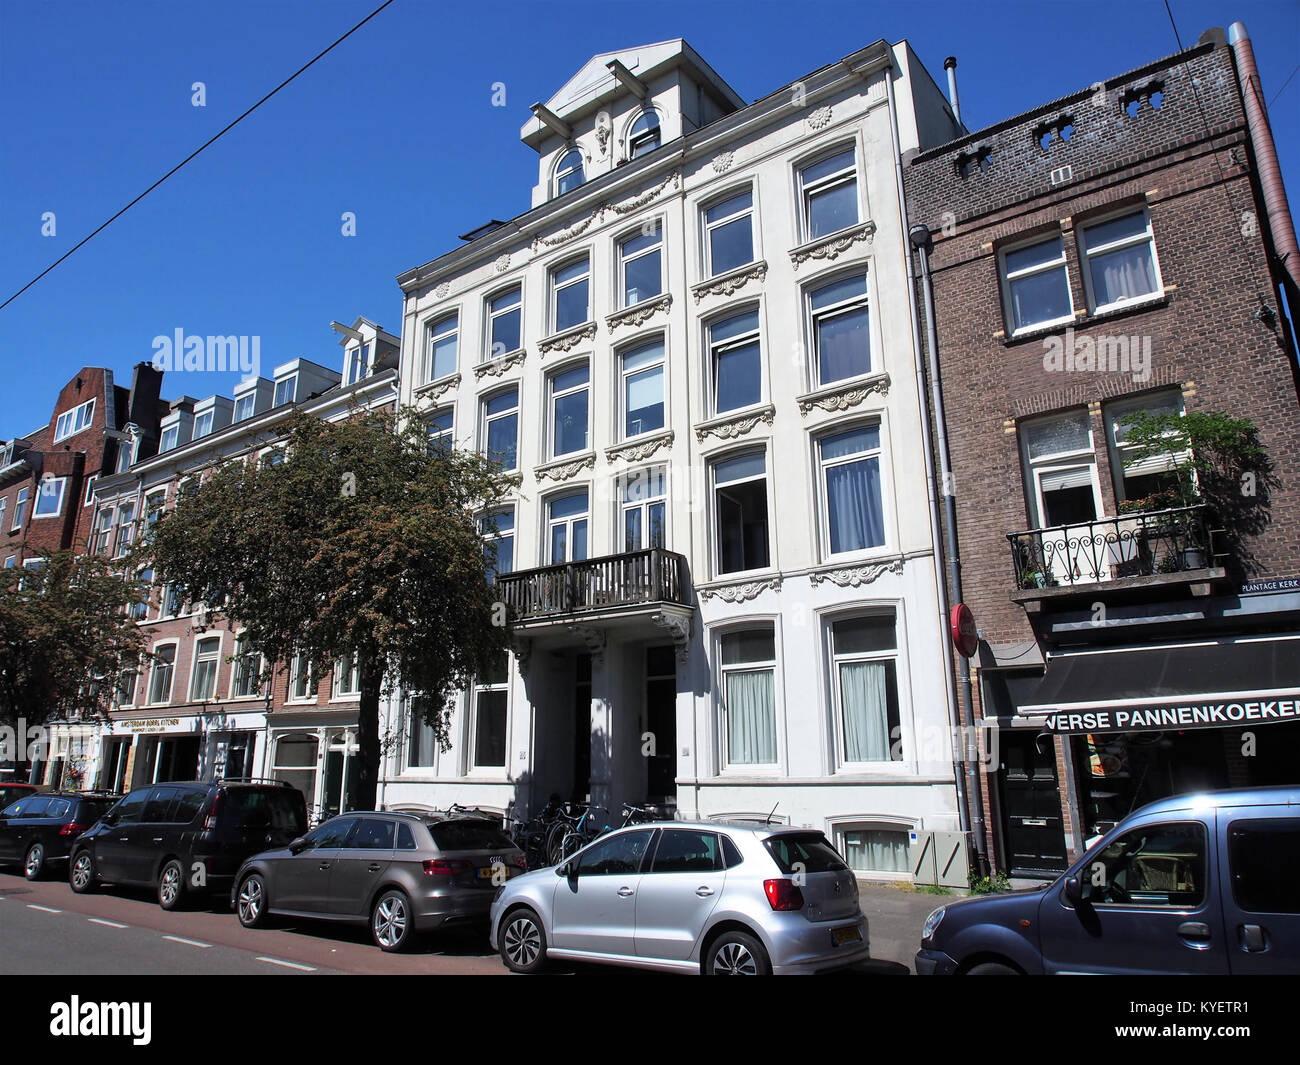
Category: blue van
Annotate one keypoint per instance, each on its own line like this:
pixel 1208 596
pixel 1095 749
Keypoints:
pixel 1206 883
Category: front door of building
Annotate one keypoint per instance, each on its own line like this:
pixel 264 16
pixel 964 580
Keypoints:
pixel 661 723
pixel 1031 802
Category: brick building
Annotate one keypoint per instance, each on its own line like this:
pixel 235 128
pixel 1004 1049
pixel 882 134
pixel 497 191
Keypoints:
pixel 1106 253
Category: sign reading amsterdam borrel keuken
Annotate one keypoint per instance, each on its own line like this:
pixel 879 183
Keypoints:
pixel 1162 716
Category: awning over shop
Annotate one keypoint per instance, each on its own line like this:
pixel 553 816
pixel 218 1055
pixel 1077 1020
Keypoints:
pixel 1209 684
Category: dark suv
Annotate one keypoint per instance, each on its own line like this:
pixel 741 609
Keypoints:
pixel 186 838
pixel 37 830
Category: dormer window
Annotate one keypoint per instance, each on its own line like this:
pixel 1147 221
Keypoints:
pixel 358 359
pixel 286 390
pixel 203 424
pixel 244 407
pixel 644 136
pixel 170 436
pixel 73 421
pixel 569 175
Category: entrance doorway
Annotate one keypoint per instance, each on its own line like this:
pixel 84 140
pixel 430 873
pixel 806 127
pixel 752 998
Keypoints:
pixel 661 723
pixel 114 778
pixel 1031 802
pixel 176 758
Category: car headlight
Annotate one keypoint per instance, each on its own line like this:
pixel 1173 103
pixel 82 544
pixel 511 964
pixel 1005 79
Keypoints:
pixel 932 923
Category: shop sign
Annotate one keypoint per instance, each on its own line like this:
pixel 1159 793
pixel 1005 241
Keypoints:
pixel 152 724
pixel 1161 717
pixel 1272 584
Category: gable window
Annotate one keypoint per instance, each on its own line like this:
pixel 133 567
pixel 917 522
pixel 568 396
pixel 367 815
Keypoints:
pixel 644 136
pixel 440 354
pixel 440 428
pixel 640 265
pixel 570 286
pixel 245 406
pixel 568 173
pixel 841 324
pixel 643 388
pixel 1062 469
pixel 302 685
pixel 247 680
pixel 169 437
pixel 1151 477
pixel 748 689
pixel 566 527
pixel 491 701
pixel 828 192
pixel 503 323
pixel 644 507
pixel 347 675
pixel 74 420
pixel 736 358
pixel 569 410
pixel 865 688
pixel 501 428
pixel 202 424
pixel 1120 261
pixel 49 497
pixel 729 233
pixel 203 674
pixel 20 507
pixel 356 364
pixel 125 454
pixel 1036 285
pixel 160 674
pixel 498 528
pixel 286 390
pixel 740 513
pixel 850 479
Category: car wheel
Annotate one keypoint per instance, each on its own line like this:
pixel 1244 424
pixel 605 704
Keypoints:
pixel 390 922
pixel 34 863
pixel 81 873
pixel 991 968
pixel 250 903
pixel 523 941
pixel 171 886
pixel 737 954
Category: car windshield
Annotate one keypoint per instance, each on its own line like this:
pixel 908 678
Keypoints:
pixel 811 851
pixel 468 836
pixel 263 808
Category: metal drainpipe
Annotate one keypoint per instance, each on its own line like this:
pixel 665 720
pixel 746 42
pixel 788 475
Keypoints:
pixel 920 237
pixel 965 807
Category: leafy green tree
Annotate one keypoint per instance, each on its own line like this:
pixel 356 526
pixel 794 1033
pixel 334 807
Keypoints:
pixel 66 634
pixel 358 539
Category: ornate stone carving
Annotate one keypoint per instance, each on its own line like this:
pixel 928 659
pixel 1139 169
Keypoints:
pixel 731 282
pixel 568 340
pixel 502 264
pixel 840 399
pixel 602 138
pixel 831 247
pixel 636 450
pixel 678 628
pixel 593 638
pixel 442 290
pixel 722 161
pixel 438 389
pixel 733 427
pixel 598 215
pixel 496 367
pixel 856 576
pixel 741 593
pixel 639 313
pixel 820 118
pixel 562 471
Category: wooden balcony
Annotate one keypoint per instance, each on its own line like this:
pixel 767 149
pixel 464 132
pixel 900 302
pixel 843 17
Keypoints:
pixel 649 578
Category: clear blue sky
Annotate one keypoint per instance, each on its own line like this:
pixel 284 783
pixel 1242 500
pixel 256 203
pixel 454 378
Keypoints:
pixel 397 126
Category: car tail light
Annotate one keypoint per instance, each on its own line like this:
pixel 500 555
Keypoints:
pixel 783 895
pixel 520 862
pixel 73 828
pixel 210 822
pixel 446 866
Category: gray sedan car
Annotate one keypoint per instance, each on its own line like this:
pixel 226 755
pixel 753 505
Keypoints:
pixel 398 873
pixel 737 899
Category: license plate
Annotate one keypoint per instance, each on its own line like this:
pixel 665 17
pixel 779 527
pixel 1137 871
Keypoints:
pixel 848 934
pixel 486 873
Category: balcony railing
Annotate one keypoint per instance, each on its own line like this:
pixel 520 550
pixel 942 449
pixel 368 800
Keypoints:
pixel 1131 545
pixel 649 576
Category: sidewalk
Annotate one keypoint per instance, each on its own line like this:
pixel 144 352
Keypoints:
pixel 894 920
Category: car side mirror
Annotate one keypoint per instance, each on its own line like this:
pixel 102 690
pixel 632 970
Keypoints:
pixel 298 845
pixel 1073 890
pixel 568 869
pixel 109 819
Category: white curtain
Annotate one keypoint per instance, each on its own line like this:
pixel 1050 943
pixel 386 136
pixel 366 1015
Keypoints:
pixel 865 704
pixel 882 852
pixel 751 718
pixel 853 499
pixel 1124 274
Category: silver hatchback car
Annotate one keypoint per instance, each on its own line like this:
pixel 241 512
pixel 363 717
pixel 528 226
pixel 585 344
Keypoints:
pixel 716 898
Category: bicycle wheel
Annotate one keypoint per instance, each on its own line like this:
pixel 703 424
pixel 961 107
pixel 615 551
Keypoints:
pixel 555 843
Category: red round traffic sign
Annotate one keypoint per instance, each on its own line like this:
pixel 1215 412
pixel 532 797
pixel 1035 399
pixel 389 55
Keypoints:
pixel 964 635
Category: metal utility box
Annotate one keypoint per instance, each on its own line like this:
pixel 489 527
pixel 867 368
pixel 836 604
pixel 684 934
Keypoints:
pixel 939 858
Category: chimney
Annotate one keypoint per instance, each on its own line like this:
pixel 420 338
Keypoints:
pixel 950 65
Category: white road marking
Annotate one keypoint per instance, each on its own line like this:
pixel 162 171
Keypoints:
pixel 188 942
pixel 287 964
pixel 43 909
pixel 111 924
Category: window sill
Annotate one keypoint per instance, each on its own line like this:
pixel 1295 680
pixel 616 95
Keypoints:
pixel 498 366
pixel 856 569
pixel 740 587
pixel 833 244
pixel 639 313
pixel 734 424
pixel 841 395
pixel 567 339
pixel 732 281
pixel 636 448
pixel 566 466
pixel 1082 319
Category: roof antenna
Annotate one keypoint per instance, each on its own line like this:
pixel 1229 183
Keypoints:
pixel 768 819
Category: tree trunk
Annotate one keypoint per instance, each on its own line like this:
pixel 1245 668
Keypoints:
pixel 368 737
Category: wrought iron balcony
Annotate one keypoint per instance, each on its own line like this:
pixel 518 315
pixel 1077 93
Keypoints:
pixel 646 577
pixel 1145 544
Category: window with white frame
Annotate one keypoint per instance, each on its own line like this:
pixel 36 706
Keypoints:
pixel 566 527
pixel 740 512
pixel 356 364
pixel 294 762
pixel 74 420
pixel 644 136
pixel 640 265
pixel 747 663
pixel 1036 285
pixel 504 321
pixel 498 530
pixel 501 428
pixel 850 484
pixel 1119 261
pixel 568 172
pixel 347 675
pixel 864 683
pixel 169 438
pixel 4 505
pixel 140 608
pixel 1152 477
pixel 422 738
pixel 286 390
pixel 125 454
pixel 203 673
pixel 245 406
pixel 49 497
pixel 155 503
pixel 736 361
pixel 441 348
pixel 6 454
pixel 841 329
pixel 11 561
pixel 125 529
pixel 642 394
pixel 569 410
pixel 203 424
pixel 643 502
pixel 875 850
pixel 124 688
pixel 90 490
pixel 571 294
pixel 1061 469
pixel 160 673
pixel 828 194
pixel 246 681
pixel 20 507
pixel 491 702
pixel 441 425
pixel 729 233
pixel 172 601
pixel 102 536
pixel 302 685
